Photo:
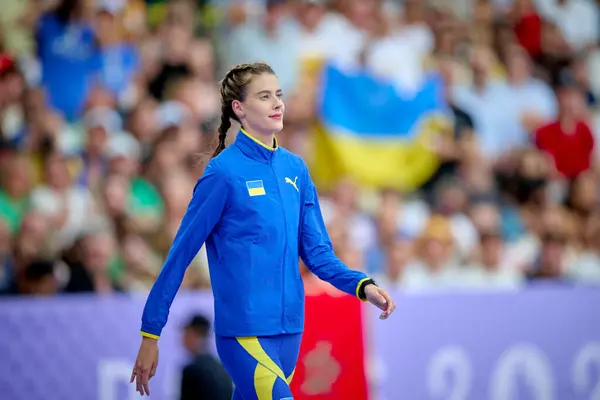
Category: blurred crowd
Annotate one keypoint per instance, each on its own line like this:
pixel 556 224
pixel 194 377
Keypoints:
pixel 108 111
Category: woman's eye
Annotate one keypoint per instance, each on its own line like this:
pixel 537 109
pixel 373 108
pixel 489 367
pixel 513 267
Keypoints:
pixel 280 95
pixel 265 97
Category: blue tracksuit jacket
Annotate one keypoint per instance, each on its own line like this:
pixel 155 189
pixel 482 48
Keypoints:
pixel 257 210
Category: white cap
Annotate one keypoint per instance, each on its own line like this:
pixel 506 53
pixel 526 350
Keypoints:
pixel 103 117
pixel 172 113
pixel 123 144
pixel 111 6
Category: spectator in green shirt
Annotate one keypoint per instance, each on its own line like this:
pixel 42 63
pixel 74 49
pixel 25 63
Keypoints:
pixel 14 192
pixel 143 205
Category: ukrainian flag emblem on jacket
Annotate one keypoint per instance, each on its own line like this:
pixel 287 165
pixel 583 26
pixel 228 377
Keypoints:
pixel 255 188
pixel 371 132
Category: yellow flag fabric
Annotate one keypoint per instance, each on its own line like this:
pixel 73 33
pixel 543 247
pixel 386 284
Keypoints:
pixel 370 132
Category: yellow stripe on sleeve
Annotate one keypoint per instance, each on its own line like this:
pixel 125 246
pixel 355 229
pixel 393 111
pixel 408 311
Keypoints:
pixel 358 287
pixel 149 335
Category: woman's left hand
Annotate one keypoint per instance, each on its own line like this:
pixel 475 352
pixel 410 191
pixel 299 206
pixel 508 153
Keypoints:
pixel 380 298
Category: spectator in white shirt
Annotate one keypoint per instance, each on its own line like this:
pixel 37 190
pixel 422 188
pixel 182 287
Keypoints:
pixel 533 101
pixel 486 101
pixel 586 268
pixel 69 207
pixel 315 28
pixel 434 267
pixel 577 20
pixel 270 38
pixel 489 269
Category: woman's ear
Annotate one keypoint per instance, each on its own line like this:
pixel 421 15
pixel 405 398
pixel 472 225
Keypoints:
pixel 238 108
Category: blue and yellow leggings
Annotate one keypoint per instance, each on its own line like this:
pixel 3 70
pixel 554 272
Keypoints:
pixel 261 367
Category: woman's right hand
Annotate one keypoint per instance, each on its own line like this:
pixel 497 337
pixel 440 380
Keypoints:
pixel 145 365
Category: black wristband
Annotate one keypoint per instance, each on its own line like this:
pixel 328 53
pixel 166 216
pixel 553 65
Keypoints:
pixel 363 285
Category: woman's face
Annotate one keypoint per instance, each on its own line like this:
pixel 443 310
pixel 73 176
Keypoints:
pixel 585 192
pixel 399 255
pixel 57 173
pixel 18 178
pixel 97 139
pixel 142 122
pixel 13 87
pixel 262 110
pixel 360 9
pixel 167 156
pixel 436 251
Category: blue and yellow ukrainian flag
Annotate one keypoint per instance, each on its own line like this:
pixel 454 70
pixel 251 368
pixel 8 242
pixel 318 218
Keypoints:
pixel 255 188
pixel 371 132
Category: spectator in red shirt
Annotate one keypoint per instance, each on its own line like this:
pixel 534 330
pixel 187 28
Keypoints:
pixel 528 27
pixel 569 140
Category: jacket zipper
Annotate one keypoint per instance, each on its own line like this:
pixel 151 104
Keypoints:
pixel 284 248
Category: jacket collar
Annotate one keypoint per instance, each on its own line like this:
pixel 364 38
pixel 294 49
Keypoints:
pixel 254 148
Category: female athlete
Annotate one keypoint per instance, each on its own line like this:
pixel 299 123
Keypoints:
pixel 257 209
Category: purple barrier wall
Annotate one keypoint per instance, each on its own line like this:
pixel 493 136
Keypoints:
pixel 540 344
pixel 83 348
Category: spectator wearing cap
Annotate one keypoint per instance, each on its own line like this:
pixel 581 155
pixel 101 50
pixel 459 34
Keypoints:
pixel 100 124
pixel 204 378
pixel 144 206
pixel 172 116
pixel 568 140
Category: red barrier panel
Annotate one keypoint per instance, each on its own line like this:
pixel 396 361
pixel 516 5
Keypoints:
pixel 331 363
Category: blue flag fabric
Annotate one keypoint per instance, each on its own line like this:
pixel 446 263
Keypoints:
pixel 371 131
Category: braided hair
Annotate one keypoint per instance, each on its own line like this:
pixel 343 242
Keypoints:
pixel 234 87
